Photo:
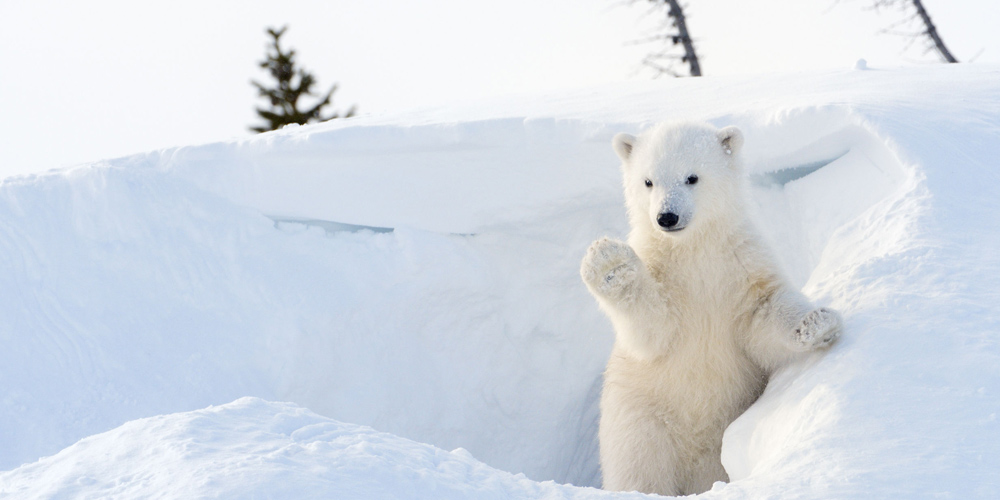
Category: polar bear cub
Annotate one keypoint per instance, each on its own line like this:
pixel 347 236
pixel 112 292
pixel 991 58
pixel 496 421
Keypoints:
pixel 701 313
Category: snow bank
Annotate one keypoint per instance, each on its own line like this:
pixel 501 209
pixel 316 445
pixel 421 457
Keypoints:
pixel 138 295
pixel 183 278
pixel 254 449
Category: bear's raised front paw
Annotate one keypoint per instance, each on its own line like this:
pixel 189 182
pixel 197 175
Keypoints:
pixel 819 328
pixel 610 265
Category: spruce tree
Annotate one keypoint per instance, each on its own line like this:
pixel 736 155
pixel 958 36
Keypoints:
pixel 284 97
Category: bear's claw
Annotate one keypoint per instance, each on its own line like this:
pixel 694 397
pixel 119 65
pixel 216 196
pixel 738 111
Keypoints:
pixel 819 328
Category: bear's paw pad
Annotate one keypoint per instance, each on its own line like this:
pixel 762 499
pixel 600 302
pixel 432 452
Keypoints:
pixel 819 328
pixel 610 265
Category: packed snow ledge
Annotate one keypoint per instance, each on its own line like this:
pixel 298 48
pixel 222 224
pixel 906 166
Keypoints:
pixel 417 274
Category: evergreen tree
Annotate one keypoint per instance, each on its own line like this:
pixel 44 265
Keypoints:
pixel 284 97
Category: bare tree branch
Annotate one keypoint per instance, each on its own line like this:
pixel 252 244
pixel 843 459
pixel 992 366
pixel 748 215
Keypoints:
pixel 677 14
pixel 932 32
pixel 676 36
pixel 920 14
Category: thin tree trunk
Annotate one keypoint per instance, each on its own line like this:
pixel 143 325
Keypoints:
pixel 931 32
pixel 682 34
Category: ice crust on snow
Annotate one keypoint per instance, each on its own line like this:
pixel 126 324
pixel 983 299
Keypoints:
pixel 190 277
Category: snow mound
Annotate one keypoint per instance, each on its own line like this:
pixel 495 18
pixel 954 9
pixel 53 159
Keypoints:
pixel 419 274
pixel 251 448
pixel 144 295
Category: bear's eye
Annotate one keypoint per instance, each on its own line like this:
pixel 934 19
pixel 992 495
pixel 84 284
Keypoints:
pixel 649 183
pixel 692 179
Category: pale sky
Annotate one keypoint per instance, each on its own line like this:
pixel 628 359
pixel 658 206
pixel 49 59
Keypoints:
pixel 83 81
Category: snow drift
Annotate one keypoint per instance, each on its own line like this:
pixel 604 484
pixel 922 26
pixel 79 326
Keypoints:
pixel 417 273
pixel 254 449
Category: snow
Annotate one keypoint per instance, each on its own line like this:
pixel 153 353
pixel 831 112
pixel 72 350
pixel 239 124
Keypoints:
pixel 418 274
pixel 251 448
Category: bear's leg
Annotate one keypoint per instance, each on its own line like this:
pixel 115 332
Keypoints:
pixel 706 469
pixel 784 323
pixel 629 295
pixel 638 454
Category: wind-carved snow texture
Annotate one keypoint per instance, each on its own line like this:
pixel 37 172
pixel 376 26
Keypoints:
pixel 179 279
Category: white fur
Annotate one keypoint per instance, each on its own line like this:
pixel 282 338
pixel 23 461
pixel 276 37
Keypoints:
pixel 702 315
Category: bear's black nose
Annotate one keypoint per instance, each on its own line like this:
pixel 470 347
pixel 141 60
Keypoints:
pixel 667 220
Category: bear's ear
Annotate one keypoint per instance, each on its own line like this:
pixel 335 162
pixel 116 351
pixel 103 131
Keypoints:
pixel 623 145
pixel 731 140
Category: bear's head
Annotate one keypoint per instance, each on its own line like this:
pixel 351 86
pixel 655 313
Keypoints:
pixel 680 178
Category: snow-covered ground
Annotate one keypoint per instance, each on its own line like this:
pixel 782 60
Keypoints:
pixel 418 274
